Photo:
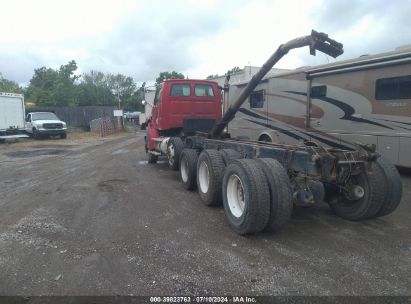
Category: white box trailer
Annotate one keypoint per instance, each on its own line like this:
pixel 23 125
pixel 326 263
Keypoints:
pixel 12 116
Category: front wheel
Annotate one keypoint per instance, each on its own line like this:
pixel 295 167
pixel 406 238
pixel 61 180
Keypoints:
pixel 174 148
pixel 63 135
pixel 36 134
pixel 152 159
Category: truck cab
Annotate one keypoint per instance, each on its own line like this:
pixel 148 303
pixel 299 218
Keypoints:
pixel 183 107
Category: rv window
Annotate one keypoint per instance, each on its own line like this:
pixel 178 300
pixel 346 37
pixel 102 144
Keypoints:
pixel 393 88
pixel 318 91
pixel 180 90
pixel 257 99
pixel 203 90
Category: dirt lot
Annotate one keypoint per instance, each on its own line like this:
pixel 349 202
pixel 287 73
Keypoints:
pixel 89 216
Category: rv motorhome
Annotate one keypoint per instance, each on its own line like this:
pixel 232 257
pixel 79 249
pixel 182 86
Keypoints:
pixel 365 100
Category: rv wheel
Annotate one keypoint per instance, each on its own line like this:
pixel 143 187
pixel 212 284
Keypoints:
pixel 393 192
pixel 281 205
pixel 188 168
pixel 246 196
pixel 210 170
pixel 174 148
pixel 369 189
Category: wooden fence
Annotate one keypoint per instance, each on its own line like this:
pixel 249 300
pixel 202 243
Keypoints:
pixel 77 116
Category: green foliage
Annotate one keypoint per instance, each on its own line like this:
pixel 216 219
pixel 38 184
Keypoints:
pixel 212 76
pixel 62 87
pixel 50 87
pixel 229 72
pixel 232 71
pixel 9 86
pixel 94 90
pixel 168 75
pixel 97 88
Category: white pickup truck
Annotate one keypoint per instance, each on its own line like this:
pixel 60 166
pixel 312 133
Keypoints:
pixel 40 124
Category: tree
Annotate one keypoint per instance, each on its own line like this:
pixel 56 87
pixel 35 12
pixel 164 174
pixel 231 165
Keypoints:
pixel 167 75
pixel 50 87
pixel 94 90
pixel 9 86
pixel 232 71
pixel 123 88
pixel 212 76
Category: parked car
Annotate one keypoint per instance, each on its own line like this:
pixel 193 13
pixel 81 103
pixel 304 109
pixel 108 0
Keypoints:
pixel 40 124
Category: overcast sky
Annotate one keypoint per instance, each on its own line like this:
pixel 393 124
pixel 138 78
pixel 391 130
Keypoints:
pixel 195 37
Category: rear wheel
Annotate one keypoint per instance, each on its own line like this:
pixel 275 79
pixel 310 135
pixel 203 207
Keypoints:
pixel 246 196
pixel 230 154
pixel 174 148
pixel 281 203
pixel 367 196
pixel 188 168
pixel 393 192
pixel 210 170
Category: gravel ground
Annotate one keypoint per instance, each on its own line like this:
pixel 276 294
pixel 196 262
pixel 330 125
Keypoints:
pixel 93 218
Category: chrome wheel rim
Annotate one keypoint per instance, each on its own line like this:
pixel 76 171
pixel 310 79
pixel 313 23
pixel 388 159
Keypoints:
pixel 184 169
pixel 235 196
pixel 204 177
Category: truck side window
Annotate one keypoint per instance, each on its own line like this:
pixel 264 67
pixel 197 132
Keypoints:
pixel 203 90
pixel 393 88
pixel 180 90
pixel 257 99
pixel 158 93
pixel 318 91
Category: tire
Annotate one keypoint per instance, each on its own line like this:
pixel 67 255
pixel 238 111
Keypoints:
pixel 281 197
pixel 152 159
pixel 230 154
pixel 188 168
pixel 36 134
pixel 210 171
pixel 374 186
pixel 265 138
pixel 246 196
pixel 393 193
pixel 174 148
pixel 63 135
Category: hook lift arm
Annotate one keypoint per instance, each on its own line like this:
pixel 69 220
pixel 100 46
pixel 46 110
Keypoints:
pixel 316 41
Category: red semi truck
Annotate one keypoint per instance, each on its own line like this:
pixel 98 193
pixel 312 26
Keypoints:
pixel 259 182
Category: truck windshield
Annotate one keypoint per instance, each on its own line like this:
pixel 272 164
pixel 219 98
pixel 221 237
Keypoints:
pixel 43 116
